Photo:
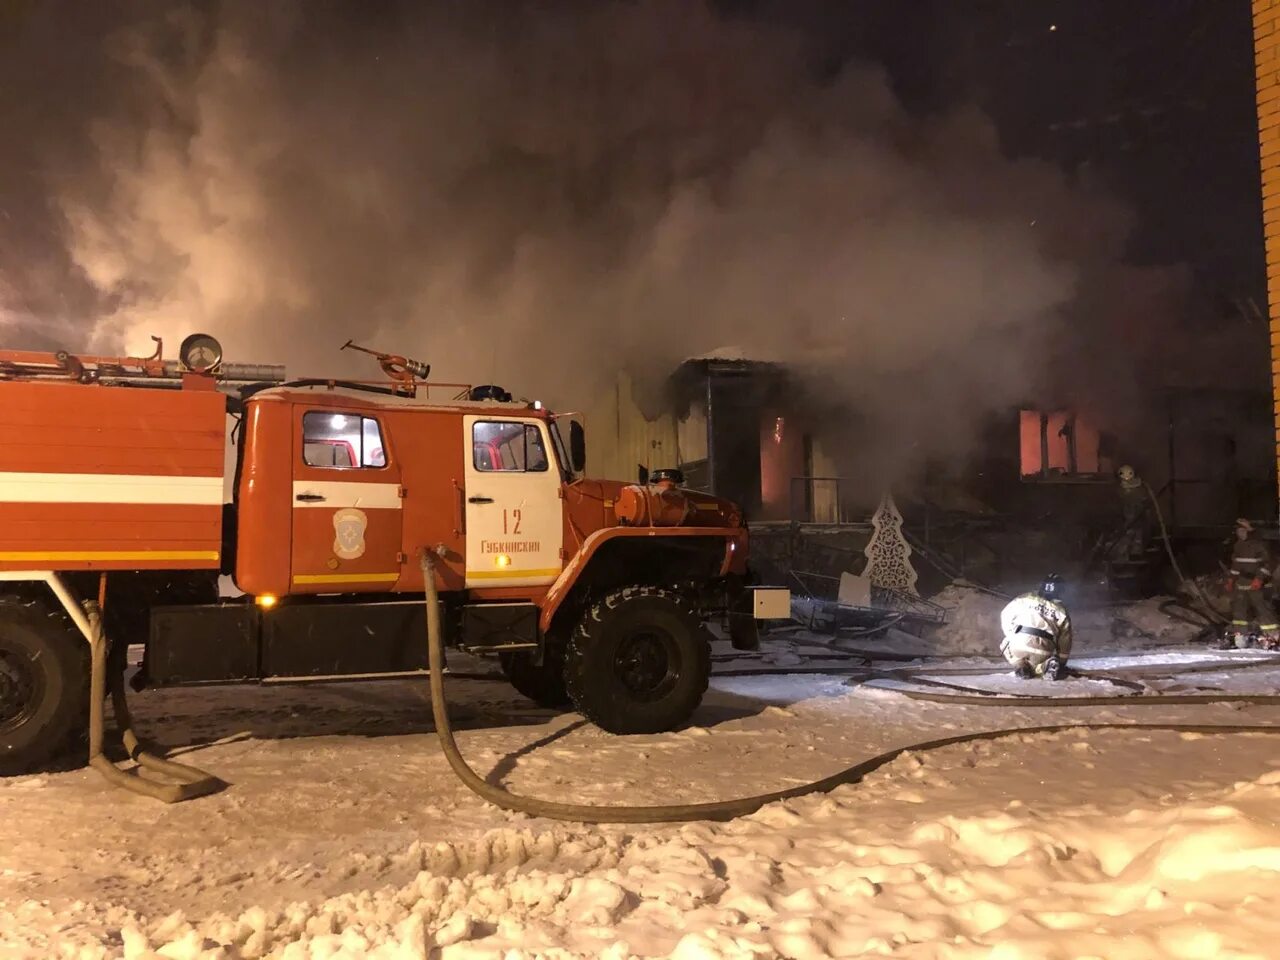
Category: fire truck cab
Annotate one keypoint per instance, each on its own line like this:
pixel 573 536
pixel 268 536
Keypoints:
pixel 359 479
pixel 593 593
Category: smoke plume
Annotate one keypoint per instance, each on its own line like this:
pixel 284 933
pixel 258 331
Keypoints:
pixel 536 194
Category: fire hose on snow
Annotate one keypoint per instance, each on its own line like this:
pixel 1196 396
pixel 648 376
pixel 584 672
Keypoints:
pixel 188 782
pixel 742 806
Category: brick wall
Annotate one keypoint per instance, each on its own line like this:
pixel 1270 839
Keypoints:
pixel 1266 43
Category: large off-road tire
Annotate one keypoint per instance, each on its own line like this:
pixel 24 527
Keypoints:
pixel 44 688
pixel 542 683
pixel 638 662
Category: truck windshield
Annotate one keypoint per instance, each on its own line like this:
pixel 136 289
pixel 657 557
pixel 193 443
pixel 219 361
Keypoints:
pixel 562 452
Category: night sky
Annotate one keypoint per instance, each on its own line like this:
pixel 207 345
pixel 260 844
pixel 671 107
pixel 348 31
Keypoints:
pixel 1155 97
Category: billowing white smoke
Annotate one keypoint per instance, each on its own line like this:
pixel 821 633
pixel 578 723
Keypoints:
pixel 539 194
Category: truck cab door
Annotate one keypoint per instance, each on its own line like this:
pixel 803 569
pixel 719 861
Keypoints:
pixel 514 519
pixel 346 505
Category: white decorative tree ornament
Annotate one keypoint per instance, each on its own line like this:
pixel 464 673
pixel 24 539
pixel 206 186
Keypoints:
pixel 888 553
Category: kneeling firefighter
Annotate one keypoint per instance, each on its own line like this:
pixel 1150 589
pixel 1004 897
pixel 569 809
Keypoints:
pixel 1037 632
pixel 1250 571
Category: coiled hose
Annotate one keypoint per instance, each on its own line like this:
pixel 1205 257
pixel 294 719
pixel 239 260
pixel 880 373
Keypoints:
pixel 721 809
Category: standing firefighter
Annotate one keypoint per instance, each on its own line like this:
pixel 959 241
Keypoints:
pixel 1250 570
pixel 1133 509
pixel 1037 632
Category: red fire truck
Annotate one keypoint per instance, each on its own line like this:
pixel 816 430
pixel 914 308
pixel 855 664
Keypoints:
pixel 125 494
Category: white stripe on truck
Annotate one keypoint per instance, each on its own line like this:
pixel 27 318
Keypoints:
pixel 109 488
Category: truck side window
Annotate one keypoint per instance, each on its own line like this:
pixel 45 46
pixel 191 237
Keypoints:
pixel 345 441
pixel 508 447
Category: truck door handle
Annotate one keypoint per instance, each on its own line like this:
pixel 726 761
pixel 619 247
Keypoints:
pixel 309 497
pixel 479 499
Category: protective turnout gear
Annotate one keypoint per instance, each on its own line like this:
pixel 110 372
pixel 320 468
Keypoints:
pixel 1051 587
pixel 1037 629
pixel 1250 569
pixel 1132 542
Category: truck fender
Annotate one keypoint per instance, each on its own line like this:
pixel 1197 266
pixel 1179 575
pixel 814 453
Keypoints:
pixel 735 543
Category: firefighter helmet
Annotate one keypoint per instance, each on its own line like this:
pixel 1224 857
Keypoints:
pixel 1051 587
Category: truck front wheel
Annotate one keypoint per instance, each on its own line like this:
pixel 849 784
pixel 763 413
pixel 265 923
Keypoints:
pixel 44 687
pixel 638 662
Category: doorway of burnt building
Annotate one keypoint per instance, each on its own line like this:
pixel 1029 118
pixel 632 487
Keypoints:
pixel 743 435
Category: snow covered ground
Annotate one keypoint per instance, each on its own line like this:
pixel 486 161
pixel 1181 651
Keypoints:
pixel 343 833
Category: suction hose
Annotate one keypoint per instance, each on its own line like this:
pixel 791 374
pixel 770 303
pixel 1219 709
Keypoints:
pixel 722 809
pixel 189 782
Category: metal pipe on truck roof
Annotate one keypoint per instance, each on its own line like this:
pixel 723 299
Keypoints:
pixel 246 372
pixel 253 372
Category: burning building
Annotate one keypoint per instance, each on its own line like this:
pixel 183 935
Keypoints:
pixel 1038 486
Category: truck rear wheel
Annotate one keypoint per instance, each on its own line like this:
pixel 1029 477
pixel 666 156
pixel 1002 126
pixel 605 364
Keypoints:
pixel 543 683
pixel 638 662
pixel 44 687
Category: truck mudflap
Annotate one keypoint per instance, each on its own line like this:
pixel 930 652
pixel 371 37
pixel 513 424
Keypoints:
pixel 753 604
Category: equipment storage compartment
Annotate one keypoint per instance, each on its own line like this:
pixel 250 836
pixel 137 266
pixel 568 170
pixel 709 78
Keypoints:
pixel 338 639
pixel 499 626
pixel 203 643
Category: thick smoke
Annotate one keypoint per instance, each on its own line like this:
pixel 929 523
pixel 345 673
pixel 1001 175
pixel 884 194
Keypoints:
pixel 539 195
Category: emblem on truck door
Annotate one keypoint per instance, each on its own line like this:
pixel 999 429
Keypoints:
pixel 349 525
